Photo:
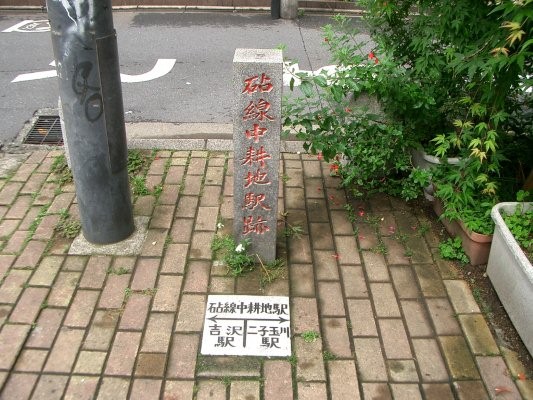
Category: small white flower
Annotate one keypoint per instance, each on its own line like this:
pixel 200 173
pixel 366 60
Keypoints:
pixel 220 225
pixel 239 248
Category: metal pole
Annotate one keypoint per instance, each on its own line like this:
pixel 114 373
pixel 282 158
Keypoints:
pixel 275 9
pixel 85 49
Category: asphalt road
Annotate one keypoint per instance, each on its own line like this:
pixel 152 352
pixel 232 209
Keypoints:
pixel 197 89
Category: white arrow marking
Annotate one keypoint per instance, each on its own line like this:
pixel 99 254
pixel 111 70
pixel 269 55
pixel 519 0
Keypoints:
pixel 217 318
pixel 290 71
pixel 162 67
pixel 35 75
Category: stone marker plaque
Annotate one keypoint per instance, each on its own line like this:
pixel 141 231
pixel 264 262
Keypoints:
pixel 247 326
pixel 258 82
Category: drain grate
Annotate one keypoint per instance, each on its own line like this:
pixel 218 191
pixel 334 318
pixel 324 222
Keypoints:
pixel 46 130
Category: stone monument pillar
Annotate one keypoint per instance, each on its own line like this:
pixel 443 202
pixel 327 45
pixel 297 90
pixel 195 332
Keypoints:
pixel 257 81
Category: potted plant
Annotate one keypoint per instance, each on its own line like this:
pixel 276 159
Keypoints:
pixel 448 91
pixel 509 266
pixel 425 161
pixel 476 73
pixel 362 115
pixel 465 192
pixel 476 242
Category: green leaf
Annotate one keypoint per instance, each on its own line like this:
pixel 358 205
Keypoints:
pixel 474 143
pixel 490 145
pixel 307 89
pixel 307 125
pixel 482 126
pixel 337 93
pixel 320 80
pixel 482 178
pixel 527 44
pixel 520 59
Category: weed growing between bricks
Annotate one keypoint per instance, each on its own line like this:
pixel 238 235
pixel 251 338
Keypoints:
pixel 328 356
pixel 291 230
pixel 31 230
pixel 359 216
pixel 62 172
pixel 67 227
pixel 238 262
pixel 128 292
pixel 271 271
pixel 118 271
pixel 9 175
pixel 139 163
pixel 310 336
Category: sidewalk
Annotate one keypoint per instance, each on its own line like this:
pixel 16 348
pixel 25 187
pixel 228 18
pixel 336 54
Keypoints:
pixel 394 320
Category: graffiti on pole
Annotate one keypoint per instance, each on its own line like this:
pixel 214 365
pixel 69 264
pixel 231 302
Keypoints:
pixel 88 95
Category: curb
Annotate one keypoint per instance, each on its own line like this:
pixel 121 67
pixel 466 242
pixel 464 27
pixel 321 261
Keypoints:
pixel 160 135
pixel 355 12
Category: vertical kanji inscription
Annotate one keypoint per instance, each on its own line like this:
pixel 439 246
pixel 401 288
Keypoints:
pixel 257 80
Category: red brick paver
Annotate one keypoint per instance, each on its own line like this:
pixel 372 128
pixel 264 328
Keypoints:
pixel 392 324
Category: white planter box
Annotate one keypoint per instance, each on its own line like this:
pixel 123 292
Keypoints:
pixel 511 274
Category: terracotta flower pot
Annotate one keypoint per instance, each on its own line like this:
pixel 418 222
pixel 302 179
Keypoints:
pixel 476 245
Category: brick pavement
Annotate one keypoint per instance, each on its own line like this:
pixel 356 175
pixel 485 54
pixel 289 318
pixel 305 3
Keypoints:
pixel 395 322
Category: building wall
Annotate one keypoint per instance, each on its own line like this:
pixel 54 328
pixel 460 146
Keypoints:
pixel 326 4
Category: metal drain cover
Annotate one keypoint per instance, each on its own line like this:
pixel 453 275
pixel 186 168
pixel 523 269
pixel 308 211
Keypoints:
pixel 45 131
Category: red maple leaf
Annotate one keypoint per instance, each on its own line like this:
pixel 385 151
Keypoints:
pixel 501 389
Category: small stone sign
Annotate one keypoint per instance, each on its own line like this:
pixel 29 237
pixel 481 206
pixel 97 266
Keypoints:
pixel 258 82
pixel 247 326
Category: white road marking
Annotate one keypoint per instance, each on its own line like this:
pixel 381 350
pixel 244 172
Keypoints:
pixel 291 70
pixel 30 26
pixel 32 76
pixel 162 67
